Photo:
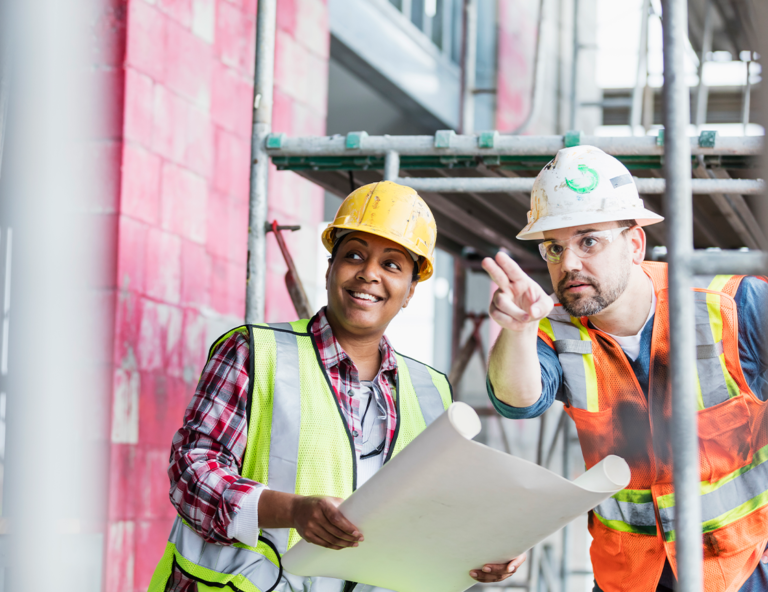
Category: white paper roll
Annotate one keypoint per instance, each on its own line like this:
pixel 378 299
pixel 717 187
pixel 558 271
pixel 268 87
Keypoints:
pixel 446 505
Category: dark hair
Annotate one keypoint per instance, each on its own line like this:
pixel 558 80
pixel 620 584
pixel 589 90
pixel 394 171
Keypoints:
pixel 416 264
pixel 627 223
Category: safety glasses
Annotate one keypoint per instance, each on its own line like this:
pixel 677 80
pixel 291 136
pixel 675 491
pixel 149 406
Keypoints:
pixel 583 245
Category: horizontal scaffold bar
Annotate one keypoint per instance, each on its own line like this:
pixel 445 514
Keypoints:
pixel 711 262
pixel 525 185
pixel 495 144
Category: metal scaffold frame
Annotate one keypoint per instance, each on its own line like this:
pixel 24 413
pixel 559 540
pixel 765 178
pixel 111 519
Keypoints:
pixel 393 156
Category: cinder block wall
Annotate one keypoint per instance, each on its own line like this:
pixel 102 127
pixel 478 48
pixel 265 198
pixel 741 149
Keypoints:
pixel 185 84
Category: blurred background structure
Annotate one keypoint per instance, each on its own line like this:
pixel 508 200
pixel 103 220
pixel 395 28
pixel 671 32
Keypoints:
pixel 164 92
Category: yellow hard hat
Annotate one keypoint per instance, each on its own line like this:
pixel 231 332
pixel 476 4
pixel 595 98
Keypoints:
pixel 391 211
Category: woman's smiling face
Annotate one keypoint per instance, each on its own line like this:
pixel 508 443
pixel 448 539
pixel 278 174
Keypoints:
pixel 368 281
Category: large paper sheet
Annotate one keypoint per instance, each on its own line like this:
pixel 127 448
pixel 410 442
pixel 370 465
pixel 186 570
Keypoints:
pixel 446 505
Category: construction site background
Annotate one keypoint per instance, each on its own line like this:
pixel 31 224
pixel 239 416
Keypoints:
pixel 165 107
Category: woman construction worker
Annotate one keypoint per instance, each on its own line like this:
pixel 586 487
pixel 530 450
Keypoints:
pixel 289 419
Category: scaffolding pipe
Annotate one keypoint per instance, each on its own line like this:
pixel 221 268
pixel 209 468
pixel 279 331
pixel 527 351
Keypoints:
pixel 574 66
pixel 262 127
pixel 469 67
pixel 503 145
pixel 702 92
pixel 729 262
pixel 636 113
pixel 391 166
pixel 746 99
pixel 649 186
pixel 678 209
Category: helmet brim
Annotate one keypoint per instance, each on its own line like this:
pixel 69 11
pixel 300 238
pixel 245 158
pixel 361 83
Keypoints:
pixel 535 230
pixel 425 265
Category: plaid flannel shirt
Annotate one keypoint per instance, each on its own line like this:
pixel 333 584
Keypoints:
pixel 207 452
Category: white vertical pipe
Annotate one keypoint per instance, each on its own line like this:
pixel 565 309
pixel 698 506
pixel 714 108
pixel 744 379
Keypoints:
pixel 469 67
pixel 678 209
pixel 702 93
pixel 59 276
pixel 641 79
pixel 262 127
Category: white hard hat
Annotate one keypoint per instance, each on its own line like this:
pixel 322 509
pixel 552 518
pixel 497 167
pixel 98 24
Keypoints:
pixel 583 185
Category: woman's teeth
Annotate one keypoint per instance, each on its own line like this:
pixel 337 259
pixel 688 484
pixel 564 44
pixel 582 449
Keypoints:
pixel 363 296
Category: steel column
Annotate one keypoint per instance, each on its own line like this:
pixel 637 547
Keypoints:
pixel 641 80
pixel 469 67
pixel 262 127
pixel 702 93
pixel 678 208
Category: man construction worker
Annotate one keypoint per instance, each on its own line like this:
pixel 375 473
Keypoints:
pixel 600 344
pixel 289 419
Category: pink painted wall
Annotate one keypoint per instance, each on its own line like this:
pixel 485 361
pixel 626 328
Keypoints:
pixel 183 150
pixel 517 44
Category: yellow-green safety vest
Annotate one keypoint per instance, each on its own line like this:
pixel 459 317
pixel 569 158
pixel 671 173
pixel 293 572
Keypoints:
pixel 298 442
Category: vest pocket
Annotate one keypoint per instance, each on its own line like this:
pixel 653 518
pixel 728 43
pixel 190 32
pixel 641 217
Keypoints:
pixel 726 438
pixel 595 429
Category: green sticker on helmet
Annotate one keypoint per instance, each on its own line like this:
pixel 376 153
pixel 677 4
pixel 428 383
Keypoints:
pixel 592 177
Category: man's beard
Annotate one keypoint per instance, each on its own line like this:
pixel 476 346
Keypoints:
pixel 581 305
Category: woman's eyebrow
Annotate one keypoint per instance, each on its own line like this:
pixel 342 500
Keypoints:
pixel 354 238
pixel 395 251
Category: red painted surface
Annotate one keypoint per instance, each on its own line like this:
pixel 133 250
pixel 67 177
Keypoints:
pixel 517 44
pixel 179 136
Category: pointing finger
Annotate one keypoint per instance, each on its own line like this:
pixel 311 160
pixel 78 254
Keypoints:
pixel 497 274
pixel 510 268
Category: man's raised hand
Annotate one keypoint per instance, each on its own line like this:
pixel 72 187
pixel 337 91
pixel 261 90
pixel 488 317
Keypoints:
pixel 519 302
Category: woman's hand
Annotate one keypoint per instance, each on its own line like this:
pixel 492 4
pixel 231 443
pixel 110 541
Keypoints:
pixel 497 572
pixel 318 521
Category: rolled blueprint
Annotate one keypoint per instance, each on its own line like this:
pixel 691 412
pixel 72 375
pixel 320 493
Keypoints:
pixel 446 505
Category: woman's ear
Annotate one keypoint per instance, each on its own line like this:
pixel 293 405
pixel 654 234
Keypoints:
pixel 411 290
pixel 327 272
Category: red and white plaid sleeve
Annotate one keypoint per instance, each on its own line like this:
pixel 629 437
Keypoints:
pixel 207 452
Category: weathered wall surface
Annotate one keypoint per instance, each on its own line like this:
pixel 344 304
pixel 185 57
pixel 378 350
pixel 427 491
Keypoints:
pixel 182 224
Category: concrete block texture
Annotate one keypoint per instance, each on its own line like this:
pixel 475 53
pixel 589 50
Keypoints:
pixel 181 151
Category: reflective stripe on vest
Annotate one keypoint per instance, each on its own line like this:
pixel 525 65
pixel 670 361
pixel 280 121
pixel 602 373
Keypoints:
pixel 714 383
pixel 726 500
pixel 630 510
pixel 430 400
pixel 286 423
pixel 574 350
pixel 255 567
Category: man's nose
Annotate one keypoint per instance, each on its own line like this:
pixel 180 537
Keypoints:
pixel 570 261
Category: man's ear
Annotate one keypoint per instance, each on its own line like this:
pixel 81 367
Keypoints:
pixel 637 241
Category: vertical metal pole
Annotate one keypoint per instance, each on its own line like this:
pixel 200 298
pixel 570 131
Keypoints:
pixel 636 114
pixel 702 93
pixel 391 165
pixel 745 106
pixel 567 474
pixel 469 67
pixel 459 306
pixel 678 209
pixel 262 126
pixel 575 66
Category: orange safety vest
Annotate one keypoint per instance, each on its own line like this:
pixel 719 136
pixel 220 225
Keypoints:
pixel 634 531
